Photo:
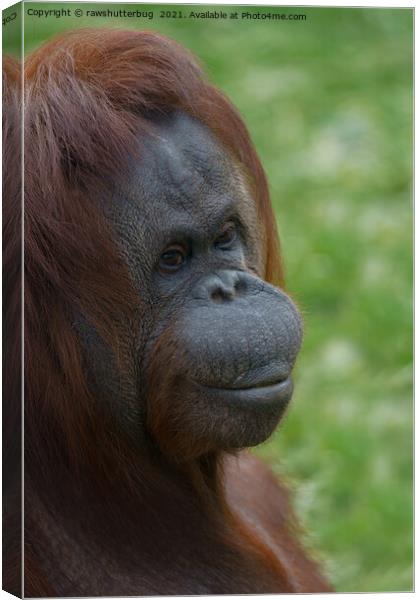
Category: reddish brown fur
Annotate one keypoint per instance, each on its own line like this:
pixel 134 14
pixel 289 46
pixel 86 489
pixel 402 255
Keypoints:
pixel 86 97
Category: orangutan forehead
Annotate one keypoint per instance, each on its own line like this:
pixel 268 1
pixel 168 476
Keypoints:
pixel 182 150
pixel 184 169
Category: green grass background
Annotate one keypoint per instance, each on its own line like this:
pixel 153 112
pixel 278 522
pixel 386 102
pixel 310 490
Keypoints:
pixel 329 106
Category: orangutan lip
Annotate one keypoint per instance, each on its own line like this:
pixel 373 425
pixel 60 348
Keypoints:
pixel 258 384
pixel 264 377
pixel 262 385
pixel 268 395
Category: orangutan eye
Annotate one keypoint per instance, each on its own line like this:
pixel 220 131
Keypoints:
pixel 227 236
pixel 172 259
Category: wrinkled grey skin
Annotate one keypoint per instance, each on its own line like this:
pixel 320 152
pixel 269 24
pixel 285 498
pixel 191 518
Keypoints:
pixel 233 337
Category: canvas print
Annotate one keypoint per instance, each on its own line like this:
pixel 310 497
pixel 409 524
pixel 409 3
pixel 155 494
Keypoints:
pixel 207 284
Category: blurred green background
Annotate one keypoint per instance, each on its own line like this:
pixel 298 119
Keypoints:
pixel 328 102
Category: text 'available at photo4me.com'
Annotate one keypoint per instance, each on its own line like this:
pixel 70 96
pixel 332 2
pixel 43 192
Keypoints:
pixel 180 12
